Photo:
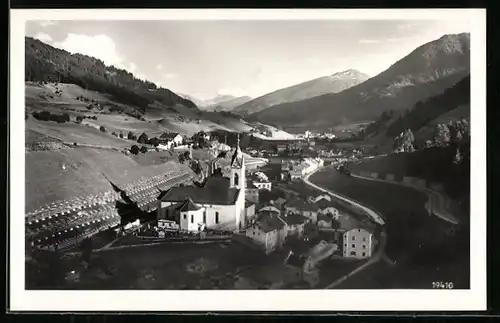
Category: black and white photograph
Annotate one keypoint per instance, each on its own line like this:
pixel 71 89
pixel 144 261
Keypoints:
pixel 265 159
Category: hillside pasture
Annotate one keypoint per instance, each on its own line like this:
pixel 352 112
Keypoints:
pixel 59 175
pixel 79 133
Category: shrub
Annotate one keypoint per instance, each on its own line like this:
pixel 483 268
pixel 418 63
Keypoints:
pixel 102 129
pixel 121 135
pixel 144 149
pixel 131 135
pixel 79 119
pixel 114 134
pixel 143 139
pixel 154 141
pixel 134 149
pixel 94 118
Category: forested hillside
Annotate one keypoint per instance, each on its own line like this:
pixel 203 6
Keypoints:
pixel 45 63
pixel 424 112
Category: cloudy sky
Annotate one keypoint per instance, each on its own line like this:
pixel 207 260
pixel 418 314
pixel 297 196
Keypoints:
pixel 207 58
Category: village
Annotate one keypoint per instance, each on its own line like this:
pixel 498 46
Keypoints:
pixel 261 205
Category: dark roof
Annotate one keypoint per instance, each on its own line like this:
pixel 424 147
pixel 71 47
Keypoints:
pixel 280 200
pixel 187 205
pixel 323 217
pixel 215 191
pixel 268 221
pixel 301 205
pixel 251 185
pixel 169 135
pixel 294 219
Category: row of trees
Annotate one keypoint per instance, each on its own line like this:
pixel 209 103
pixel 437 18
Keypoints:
pixel 47 116
pixel 455 134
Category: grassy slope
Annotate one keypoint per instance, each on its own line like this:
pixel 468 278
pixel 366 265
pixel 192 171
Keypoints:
pixel 83 173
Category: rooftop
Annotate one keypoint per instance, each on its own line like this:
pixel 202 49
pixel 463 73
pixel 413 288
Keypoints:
pixel 294 219
pixel 187 205
pixel 215 191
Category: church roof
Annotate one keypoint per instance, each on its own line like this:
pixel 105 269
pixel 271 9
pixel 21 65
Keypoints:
pixel 215 191
pixel 187 205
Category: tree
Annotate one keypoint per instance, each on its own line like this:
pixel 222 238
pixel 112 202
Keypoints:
pixel 102 128
pixel 442 135
pixel 79 119
pixel 134 149
pixel 154 141
pixel 114 134
pixel 458 157
pixel 121 135
pixel 131 136
pixel 405 142
pixel 144 149
pixel 143 139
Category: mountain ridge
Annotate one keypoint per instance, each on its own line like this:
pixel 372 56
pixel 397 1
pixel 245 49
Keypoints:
pixel 333 83
pixel 426 71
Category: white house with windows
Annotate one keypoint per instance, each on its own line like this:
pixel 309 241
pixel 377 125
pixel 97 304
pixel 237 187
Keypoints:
pixel 169 139
pixel 358 243
pixel 221 200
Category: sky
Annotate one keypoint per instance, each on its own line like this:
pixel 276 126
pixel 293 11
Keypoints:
pixel 204 59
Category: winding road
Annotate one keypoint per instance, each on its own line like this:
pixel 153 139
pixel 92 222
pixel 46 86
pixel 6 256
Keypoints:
pixel 437 204
pixel 377 218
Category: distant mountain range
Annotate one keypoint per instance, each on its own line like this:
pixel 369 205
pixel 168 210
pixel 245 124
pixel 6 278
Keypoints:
pixel 334 83
pixel 427 71
pixel 219 103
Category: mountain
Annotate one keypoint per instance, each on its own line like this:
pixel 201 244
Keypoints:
pixel 229 104
pixel 425 72
pixel 334 83
pixel 198 102
pixel 46 63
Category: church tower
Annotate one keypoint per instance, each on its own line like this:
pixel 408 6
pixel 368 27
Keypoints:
pixel 238 177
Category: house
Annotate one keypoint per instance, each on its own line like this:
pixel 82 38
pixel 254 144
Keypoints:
pixel 280 203
pixel 249 212
pixel 308 210
pixel 281 147
pixel 268 232
pixel 270 208
pixel 252 192
pixel 221 198
pixel 262 185
pixel 171 138
pixel 295 224
pixel 358 243
pixel 325 221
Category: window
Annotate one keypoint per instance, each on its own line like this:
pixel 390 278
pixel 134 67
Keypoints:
pixel 205 216
pixel 184 216
pixel 353 253
pixel 353 238
pixel 217 217
pixel 192 218
pixel 364 246
pixel 236 179
pixel 364 254
pixel 353 245
pixel 364 238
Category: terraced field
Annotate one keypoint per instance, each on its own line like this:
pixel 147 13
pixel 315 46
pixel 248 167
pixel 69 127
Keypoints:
pixel 61 175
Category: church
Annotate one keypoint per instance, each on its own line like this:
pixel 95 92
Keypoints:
pixel 219 203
